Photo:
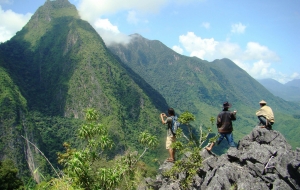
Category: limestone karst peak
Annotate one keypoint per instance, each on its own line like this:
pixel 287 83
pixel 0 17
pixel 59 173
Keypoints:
pixel 262 160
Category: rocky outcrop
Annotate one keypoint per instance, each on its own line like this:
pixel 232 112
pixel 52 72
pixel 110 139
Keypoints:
pixel 262 160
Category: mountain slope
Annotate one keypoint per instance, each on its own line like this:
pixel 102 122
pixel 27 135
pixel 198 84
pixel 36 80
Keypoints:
pixel 61 66
pixel 189 83
pixel 70 71
pixel 13 106
pixel 251 91
pixel 289 91
pixel 295 83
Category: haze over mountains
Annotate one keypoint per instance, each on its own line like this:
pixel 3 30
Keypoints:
pixel 58 65
pixel 289 91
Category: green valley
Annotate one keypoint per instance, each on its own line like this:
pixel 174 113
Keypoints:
pixel 63 92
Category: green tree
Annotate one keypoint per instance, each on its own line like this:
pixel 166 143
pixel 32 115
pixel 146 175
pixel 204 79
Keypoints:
pixel 87 168
pixel 8 176
pixel 190 147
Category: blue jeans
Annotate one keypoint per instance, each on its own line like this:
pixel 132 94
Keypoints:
pixel 229 138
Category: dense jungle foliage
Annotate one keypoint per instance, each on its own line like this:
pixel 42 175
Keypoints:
pixel 51 71
pixel 57 66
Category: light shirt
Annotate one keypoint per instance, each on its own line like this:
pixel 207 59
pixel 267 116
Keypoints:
pixel 267 112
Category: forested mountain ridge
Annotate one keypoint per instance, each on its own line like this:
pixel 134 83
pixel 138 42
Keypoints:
pixel 189 83
pixel 55 68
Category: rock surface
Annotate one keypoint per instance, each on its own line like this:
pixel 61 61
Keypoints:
pixel 262 160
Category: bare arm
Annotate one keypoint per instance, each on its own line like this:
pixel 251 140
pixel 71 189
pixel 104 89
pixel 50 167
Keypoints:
pixel 162 115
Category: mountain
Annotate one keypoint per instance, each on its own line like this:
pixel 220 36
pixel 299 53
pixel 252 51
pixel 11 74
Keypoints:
pixel 294 83
pixel 189 83
pixel 57 66
pixel 289 91
pixel 51 71
pixel 262 160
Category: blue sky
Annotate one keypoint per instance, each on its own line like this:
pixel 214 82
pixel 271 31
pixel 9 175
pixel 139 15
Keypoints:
pixel 261 37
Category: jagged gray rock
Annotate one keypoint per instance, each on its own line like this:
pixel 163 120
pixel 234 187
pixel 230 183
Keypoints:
pixel 262 160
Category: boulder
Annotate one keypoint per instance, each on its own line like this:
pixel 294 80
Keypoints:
pixel 262 160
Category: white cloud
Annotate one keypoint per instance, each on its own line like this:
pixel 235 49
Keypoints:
pixel 238 28
pixel 197 46
pixel 109 32
pixel 229 49
pixel 110 38
pixel 10 23
pixel 256 51
pixel 255 59
pixel 104 24
pixel 93 9
pixel 206 25
pixel 178 49
pixel 132 17
pixel 295 76
pixel 262 69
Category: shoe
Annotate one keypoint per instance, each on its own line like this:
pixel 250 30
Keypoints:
pixel 170 160
pixel 208 147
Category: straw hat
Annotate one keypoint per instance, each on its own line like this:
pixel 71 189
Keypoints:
pixel 262 102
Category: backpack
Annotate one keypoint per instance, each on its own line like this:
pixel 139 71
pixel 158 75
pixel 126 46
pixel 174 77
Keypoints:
pixel 175 125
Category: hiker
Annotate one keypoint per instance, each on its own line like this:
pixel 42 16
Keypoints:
pixel 224 125
pixel 171 137
pixel 265 115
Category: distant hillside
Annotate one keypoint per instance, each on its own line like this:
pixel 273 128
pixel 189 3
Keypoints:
pixel 289 91
pixel 189 83
pixel 295 83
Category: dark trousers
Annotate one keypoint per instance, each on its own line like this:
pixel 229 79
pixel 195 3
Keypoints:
pixel 263 120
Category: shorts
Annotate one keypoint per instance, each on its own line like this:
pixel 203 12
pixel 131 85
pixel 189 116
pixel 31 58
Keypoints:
pixel 169 141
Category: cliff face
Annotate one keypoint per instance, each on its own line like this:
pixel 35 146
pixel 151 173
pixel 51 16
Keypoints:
pixel 262 160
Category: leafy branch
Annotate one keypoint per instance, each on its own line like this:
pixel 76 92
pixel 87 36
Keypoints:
pixel 193 161
pixel 82 166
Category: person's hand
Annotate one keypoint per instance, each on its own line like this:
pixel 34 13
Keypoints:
pixel 163 114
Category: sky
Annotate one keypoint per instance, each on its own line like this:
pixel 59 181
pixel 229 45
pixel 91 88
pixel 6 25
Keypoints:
pixel 260 36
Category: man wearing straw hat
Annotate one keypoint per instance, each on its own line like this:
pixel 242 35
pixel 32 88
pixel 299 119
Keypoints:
pixel 265 115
